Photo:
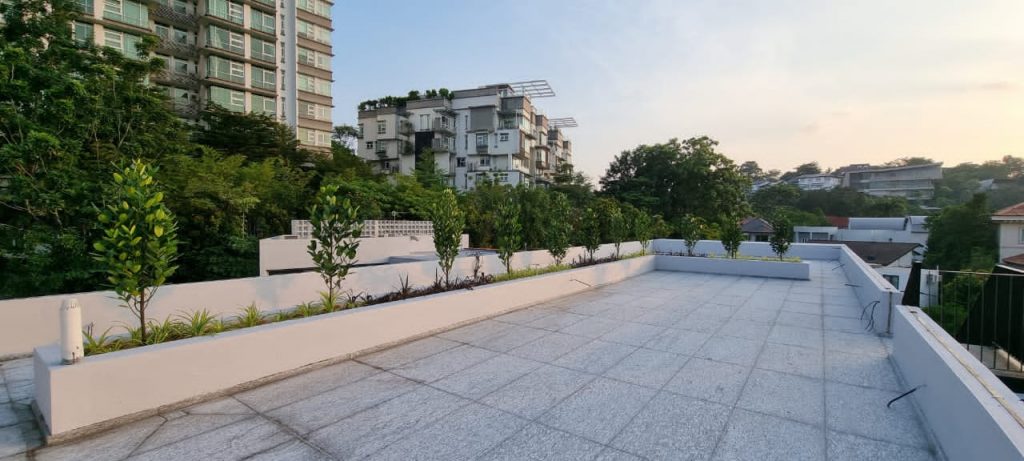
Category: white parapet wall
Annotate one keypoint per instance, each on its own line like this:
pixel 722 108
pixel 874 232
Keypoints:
pixel 757 249
pixel 741 267
pixel 972 414
pixel 289 252
pixel 103 390
pixel 32 322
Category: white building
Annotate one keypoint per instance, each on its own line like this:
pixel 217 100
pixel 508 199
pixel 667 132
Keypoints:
pixel 817 182
pixel 1011 234
pixel 488 133
pixel 914 182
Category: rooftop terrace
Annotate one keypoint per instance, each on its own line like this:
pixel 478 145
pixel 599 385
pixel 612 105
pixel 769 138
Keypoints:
pixel 666 365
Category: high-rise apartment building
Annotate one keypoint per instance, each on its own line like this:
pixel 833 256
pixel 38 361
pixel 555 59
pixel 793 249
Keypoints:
pixel 492 132
pixel 263 56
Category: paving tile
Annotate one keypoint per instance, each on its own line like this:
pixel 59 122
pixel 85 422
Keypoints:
pixel 853 343
pixel 442 364
pixel 674 427
pixel 539 442
pixel 556 321
pixel 591 327
pixel 15 439
pixel 367 432
pixel 599 410
pixel 796 319
pixel 792 359
pixel 847 324
pixel 756 437
pixel 756 314
pixel 407 353
pixel 842 311
pixel 787 396
pixel 512 338
pixel 487 376
pixel 659 317
pixel 634 334
pixel 465 434
pixel 337 404
pixel 536 392
pixel 701 323
pixel 8 417
pixel 684 342
pixel 648 368
pixel 862 411
pixel 114 444
pixel 185 427
pixel 476 331
pixel 866 370
pixel 713 381
pixel 729 300
pixel 847 447
pixel 611 454
pixel 305 385
pixel 235 441
pixel 291 451
pixel 525 316
pixel 21 391
pixel 731 350
pixel 549 348
pixel 747 329
pixel 712 312
pixel 806 298
pixel 813 308
pixel 797 336
pixel 588 308
pixel 221 406
pixel 595 357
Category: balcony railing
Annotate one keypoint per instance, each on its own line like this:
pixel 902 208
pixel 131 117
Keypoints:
pixel 188 110
pixel 442 125
pixel 176 18
pixel 405 128
pixel 176 79
pixel 438 145
pixel 174 48
pixel 542 164
pixel 481 148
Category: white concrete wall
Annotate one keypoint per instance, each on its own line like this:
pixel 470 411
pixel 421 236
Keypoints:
pixel 33 322
pixel 281 253
pixel 77 398
pixel 972 414
pixel 760 249
pixel 870 287
pixel 741 267
pixel 1009 240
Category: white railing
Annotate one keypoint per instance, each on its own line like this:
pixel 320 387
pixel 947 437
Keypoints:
pixel 374 228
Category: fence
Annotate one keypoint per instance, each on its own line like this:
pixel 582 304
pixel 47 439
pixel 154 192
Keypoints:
pixel 374 228
pixel 984 312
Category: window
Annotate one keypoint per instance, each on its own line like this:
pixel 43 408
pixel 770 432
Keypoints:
pixel 314 58
pixel 314 85
pixel 123 42
pixel 369 145
pixel 317 7
pixel 228 99
pixel 264 105
pixel 263 51
pixel 1020 238
pixel 219 37
pixel 262 21
pixel 225 69
pixel 893 279
pixel 83 33
pixel 460 162
pixel 126 11
pixel 313 137
pixel 315 111
pixel 481 140
pixel 312 32
pixel 503 137
pixel 360 127
pixel 485 161
pixel 225 9
pixel 263 78
pixel 113 39
pixel 180 6
pixel 382 127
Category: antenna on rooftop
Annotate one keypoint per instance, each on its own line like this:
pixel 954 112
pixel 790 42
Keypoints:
pixel 533 88
pixel 563 122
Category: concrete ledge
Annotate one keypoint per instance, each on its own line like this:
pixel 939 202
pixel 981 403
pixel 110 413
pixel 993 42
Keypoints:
pixel 960 396
pixel 75 400
pixel 744 267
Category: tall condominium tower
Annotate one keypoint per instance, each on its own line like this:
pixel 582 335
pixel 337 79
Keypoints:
pixel 264 56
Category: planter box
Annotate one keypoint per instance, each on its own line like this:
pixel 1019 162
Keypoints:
pixel 744 267
pixel 113 388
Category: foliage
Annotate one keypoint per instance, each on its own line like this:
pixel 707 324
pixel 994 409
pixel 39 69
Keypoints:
pixel 805 169
pixel 534 211
pixel 691 229
pixel 448 221
pixel 962 237
pixel 254 136
pixel 250 316
pixel 530 272
pixel 589 232
pixel 335 232
pixel 139 244
pixel 508 231
pixel 1003 178
pixel 641 226
pixel 659 227
pixel 731 237
pixel 427 173
pixel 782 236
pixel 616 227
pixel 559 227
pixel 480 205
pixel 197 323
pixel 573 184
pixel 677 178
pixel 754 173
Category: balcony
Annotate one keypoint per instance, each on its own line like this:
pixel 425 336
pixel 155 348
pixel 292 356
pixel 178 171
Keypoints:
pixel 405 128
pixel 176 79
pixel 175 18
pixel 173 48
pixel 188 110
pixel 439 146
pixel 442 126
pixel 481 148
pixel 542 164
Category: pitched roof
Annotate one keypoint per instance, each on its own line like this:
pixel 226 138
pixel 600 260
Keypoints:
pixel 841 222
pixel 878 223
pixel 756 226
pixel 1016 261
pixel 881 253
pixel 1015 210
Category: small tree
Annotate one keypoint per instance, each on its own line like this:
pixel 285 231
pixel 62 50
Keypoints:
pixel 139 243
pixel 617 228
pixel 642 229
pixel 782 236
pixel 336 231
pixel 449 221
pixel 731 237
pixel 559 227
pixel 508 231
pixel 691 229
pixel 590 232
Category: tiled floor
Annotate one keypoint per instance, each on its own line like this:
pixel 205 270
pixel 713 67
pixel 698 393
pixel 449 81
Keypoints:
pixel 662 366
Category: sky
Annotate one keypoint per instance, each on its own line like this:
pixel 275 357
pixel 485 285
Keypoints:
pixel 782 83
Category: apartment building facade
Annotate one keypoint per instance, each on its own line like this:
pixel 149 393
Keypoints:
pixel 270 57
pixel 914 182
pixel 492 133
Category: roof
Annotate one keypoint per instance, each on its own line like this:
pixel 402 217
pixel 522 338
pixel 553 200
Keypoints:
pixel 1014 210
pixel 918 224
pixel 878 223
pixel 1015 261
pixel 756 226
pixel 880 253
pixel 841 222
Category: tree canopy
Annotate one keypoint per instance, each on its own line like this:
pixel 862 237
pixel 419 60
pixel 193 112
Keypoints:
pixel 962 237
